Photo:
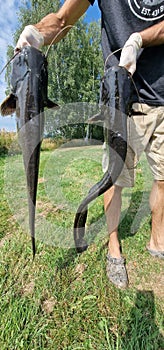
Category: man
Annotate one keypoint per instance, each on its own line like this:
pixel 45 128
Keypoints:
pixel 138 27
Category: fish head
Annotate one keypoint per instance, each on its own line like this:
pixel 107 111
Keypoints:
pixel 116 86
pixel 28 59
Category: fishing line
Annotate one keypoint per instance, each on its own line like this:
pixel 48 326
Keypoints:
pixel 56 36
pixel 135 87
pixel 49 47
pixel 111 54
pixel 9 62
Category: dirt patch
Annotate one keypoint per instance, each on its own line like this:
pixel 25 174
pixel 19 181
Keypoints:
pixel 69 147
pixel 45 208
pixel 155 282
pixel 5 239
pixel 41 180
pixel 48 305
pixel 80 268
pixel 152 281
pixel 28 288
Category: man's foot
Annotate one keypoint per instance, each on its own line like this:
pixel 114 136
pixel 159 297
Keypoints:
pixel 156 253
pixel 116 271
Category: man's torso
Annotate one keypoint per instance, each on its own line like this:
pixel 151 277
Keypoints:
pixel 121 18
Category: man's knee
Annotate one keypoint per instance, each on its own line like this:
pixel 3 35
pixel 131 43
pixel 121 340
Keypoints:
pixel 160 184
pixel 157 196
pixel 113 191
pixel 112 195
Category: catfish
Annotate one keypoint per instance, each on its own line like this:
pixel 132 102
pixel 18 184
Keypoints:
pixel 28 98
pixel 115 106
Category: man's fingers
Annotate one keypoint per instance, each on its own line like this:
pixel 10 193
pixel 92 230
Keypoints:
pixel 129 52
pixel 30 37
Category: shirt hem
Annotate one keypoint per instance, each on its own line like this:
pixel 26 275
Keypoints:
pixel 150 102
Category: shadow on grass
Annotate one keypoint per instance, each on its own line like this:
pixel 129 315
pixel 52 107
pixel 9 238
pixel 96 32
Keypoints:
pixel 65 258
pixel 137 212
pixel 142 332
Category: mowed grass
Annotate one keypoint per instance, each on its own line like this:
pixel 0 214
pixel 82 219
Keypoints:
pixel 63 300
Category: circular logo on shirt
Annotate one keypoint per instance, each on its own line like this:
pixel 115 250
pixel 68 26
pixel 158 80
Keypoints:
pixel 147 10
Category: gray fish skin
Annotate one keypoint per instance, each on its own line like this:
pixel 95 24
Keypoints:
pixel 27 76
pixel 115 103
pixel 29 81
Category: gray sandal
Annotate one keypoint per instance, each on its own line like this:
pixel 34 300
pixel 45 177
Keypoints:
pixel 116 271
pixel 156 253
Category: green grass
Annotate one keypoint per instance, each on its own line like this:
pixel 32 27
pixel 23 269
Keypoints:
pixel 64 300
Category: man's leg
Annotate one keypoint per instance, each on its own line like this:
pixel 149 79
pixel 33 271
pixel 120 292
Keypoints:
pixel 155 155
pixel 157 209
pixel 112 205
pixel 116 269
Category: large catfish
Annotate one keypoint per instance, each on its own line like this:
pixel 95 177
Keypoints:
pixel 29 81
pixel 115 103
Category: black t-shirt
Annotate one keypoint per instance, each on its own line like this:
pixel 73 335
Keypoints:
pixel 121 18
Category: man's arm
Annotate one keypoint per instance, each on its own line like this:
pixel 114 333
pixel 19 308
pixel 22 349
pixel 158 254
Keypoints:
pixel 68 14
pixel 44 32
pixel 153 36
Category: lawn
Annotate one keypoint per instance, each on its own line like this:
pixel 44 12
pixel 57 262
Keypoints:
pixel 63 300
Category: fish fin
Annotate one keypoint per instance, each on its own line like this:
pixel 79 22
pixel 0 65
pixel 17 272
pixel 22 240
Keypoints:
pixel 51 104
pixel 8 106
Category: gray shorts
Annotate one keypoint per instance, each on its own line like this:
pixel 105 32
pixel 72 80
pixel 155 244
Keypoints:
pixel 145 134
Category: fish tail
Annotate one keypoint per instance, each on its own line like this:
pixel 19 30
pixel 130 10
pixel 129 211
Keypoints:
pixel 33 246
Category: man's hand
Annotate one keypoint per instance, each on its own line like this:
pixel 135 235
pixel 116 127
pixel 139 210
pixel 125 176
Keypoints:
pixel 54 26
pixel 30 37
pixel 129 52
